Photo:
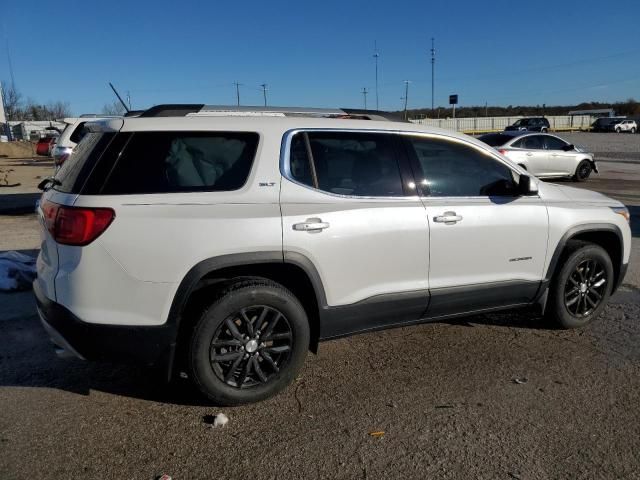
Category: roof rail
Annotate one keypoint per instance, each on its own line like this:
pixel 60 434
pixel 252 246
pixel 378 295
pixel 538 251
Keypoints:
pixel 97 115
pixel 183 110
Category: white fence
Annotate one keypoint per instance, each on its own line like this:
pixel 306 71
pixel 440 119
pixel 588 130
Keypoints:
pixel 496 124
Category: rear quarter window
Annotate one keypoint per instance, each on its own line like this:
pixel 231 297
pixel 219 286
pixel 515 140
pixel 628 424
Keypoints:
pixel 167 162
pixel 77 168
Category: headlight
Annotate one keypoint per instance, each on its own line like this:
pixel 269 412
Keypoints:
pixel 624 211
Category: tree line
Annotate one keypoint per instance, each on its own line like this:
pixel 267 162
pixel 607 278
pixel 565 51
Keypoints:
pixel 18 108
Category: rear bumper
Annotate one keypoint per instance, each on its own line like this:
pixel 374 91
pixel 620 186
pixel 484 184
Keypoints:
pixel 143 345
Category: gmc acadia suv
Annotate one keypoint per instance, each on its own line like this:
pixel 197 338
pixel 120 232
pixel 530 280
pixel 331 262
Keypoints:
pixel 228 242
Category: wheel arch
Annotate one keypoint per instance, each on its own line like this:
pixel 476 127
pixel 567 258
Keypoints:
pixel 608 236
pixel 294 271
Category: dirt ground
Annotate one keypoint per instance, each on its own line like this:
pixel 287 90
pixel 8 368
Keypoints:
pixel 491 396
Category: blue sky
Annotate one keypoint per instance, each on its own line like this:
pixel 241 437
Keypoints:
pixel 320 53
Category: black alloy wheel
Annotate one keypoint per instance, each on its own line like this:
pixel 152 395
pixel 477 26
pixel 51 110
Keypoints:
pixel 585 288
pixel 251 346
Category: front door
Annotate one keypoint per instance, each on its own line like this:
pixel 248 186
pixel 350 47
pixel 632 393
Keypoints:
pixel 488 244
pixel 348 209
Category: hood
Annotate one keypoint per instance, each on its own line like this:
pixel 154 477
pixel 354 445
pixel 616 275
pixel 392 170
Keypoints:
pixel 562 193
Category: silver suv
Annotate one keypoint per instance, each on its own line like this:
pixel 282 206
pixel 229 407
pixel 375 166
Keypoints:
pixel 228 242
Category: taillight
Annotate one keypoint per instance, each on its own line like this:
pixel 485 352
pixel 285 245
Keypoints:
pixel 76 225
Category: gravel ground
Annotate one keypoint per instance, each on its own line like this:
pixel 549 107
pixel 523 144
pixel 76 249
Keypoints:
pixel 490 396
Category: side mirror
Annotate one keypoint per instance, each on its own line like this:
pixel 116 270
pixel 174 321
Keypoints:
pixel 568 148
pixel 527 186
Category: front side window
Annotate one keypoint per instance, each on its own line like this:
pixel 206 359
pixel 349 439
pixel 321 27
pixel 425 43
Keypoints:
pixel 346 163
pixel 165 162
pixel 453 169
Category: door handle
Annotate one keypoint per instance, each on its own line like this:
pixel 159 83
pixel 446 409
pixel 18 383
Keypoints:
pixel 448 218
pixel 311 225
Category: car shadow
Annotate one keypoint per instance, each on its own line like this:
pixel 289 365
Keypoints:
pixel 17 203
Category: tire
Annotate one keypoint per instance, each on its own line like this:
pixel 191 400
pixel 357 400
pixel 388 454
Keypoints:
pixel 254 362
pixel 633 129
pixel 575 300
pixel 618 130
pixel 582 171
pixel 544 130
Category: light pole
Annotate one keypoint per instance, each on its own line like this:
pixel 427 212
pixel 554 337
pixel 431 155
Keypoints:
pixel 237 91
pixel 376 55
pixel 264 93
pixel 433 68
pixel 364 94
pixel 406 97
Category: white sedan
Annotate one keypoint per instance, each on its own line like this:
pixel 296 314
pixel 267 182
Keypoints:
pixel 543 155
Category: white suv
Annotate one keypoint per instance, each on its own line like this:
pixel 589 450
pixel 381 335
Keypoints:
pixel 624 126
pixel 229 243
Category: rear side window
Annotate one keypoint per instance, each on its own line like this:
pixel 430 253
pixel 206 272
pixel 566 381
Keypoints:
pixel 553 143
pixel 533 142
pixel 495 139
pixel 165 162
pixel 452 169
pixel 79 133
pixel 76 169
pixel 347 163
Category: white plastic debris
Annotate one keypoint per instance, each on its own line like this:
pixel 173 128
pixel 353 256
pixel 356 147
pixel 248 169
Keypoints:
pixel 17 271
pixel 221 420
pixel 520 381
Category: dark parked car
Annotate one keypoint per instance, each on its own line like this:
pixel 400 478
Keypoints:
pixel 604 124
pixel 532 124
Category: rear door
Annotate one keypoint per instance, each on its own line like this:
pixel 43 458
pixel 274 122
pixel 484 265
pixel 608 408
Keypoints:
pixel 532 154
pixel 487 243
pixel 349 207
pixel 558 161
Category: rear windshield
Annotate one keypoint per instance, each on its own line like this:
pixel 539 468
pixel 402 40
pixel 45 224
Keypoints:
pixel 495 139
pixel 75 170
pixel 164 162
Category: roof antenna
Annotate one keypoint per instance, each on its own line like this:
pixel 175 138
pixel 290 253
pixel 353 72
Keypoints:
pixel 119 97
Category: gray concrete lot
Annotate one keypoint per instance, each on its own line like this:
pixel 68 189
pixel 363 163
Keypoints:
pixel 491 396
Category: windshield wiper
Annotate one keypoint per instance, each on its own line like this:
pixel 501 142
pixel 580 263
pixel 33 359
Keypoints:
pixel 48 183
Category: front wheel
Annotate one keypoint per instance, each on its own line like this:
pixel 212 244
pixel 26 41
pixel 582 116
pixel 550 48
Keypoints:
pixel 249 344
pixel 583 171
pixel 580 290
pixel 544 130
pixel 618 130
pixel 633 129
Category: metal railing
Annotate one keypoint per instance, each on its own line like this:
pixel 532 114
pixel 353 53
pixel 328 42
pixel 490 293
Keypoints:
pixel 497 124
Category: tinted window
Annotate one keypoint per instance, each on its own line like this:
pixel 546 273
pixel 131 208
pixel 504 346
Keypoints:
pixel 553 143
pixel 76 168
pixel 495 139
pixel 533 142
pixel 79 133
pixel 346 163
pixel 451 169
pixel 163 162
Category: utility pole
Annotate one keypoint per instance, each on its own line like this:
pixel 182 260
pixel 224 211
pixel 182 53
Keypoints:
pixel 433 69
pixel 376 55
pixel 264 92
pixel 237 91
pixel 364 94
pixel 406 97
pixel 485 109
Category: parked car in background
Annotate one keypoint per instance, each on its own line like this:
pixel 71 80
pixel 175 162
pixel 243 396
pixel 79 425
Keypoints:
pixel 533 124
pixel 602 124
pixel 73 132
pixel 543 155
pixel 45 145
pixel 625 125
pixel 228 246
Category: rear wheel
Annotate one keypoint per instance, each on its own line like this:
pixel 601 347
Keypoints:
pixel 249 344
pixel 583 171
pixel 580 290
